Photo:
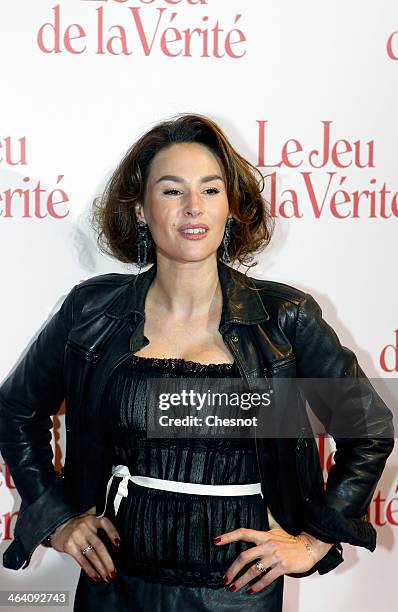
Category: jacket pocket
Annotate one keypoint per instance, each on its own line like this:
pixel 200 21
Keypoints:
pixel 284 367
pixel 87 354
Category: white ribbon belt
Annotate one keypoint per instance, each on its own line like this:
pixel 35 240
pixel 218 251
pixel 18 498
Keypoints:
pixel 173 485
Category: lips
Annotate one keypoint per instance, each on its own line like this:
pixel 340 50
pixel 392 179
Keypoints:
pixel 189 226
pixel 198 231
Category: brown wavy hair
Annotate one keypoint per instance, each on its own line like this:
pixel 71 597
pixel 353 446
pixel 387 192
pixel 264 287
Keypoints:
pixel 113 217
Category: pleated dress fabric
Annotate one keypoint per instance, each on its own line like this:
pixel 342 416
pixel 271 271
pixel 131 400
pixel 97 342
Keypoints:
pixel 167 560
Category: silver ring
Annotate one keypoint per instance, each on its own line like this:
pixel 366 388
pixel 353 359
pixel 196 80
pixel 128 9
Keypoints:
pixel 85 550
pixel 260 567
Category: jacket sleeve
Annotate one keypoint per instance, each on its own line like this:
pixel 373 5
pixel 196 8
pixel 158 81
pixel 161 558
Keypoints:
pixel 351 404
pixel 30 394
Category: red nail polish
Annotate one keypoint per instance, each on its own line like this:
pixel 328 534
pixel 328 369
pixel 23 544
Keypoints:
pixel 225 579
pixel 116 542
pixel 250 591
pixel 113 574
pixel 233 587
pixel 217 540
pixel 96 578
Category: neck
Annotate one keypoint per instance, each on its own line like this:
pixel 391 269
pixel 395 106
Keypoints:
pixel 185 290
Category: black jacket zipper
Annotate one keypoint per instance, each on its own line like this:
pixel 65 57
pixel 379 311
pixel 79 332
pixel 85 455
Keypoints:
pixel 231 345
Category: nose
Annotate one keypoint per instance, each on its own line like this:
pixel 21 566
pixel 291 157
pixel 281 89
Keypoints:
pixel 192 206
pixel 192 212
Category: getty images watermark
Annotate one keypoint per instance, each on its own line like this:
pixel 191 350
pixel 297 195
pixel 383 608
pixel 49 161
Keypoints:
pixel 348 407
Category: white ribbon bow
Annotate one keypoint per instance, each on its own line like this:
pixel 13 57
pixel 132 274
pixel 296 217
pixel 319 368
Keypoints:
pixel 122 490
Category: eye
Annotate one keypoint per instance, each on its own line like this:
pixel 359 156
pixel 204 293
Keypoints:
pixel 213 189
pixel 169 191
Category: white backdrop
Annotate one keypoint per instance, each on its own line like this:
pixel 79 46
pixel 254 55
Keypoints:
pixel 306 91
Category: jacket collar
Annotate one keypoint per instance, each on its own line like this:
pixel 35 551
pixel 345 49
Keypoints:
pixel 240 304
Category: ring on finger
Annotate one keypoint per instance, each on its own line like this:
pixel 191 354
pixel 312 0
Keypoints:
pixel 85 550
pixel 260 567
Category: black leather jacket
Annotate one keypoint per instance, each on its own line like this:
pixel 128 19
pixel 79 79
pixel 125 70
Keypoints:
pixel 276 332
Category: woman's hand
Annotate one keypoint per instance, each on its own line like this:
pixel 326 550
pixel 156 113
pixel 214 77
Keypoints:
pixel 78 532
pixel 276 549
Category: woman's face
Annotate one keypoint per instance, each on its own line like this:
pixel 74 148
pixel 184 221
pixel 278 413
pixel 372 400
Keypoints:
pixel 186 186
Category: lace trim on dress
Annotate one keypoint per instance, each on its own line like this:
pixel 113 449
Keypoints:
pixel 174 363
pixel 174 576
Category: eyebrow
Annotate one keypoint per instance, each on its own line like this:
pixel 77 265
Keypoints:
pixel 179 179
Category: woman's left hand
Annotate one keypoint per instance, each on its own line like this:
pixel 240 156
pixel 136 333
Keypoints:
pixel 276 549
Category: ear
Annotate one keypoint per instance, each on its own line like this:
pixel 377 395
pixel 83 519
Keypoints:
pixel 139 212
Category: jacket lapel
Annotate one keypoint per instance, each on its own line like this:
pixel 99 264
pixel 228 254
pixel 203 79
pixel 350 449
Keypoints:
pixel 240 304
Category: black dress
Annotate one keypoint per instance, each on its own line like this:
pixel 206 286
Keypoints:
pixel 167 560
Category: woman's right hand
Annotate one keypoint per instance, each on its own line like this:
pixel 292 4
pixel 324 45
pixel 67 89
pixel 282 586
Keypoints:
pixel 78 532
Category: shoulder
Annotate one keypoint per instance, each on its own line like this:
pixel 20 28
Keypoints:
pixel 105 281
pixel 287 305
pixel 275 290
pixel 275 294
pixel 98 292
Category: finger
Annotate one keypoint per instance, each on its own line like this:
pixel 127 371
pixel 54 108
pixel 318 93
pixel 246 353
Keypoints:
pixel 266 550
pixel 269 577
pixel 96 560
pixel 251 573
pixel 109 529
pixel 84 562
pixel 242 533
pixel 100 557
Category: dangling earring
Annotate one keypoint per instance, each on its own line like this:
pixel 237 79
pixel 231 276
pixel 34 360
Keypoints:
pixel 142 244
pixel 226 240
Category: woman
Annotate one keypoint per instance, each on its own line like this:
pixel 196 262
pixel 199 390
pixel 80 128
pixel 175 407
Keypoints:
pixel 186 523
